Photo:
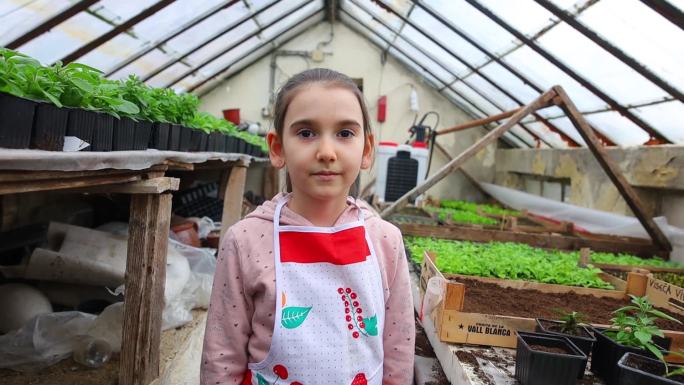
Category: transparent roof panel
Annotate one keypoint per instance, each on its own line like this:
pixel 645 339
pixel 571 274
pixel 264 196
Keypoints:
pixel 416 68
pixel 65 38
pixel 543 131
pixel 114 51
pixel 19 17
pixel 475 25
pixel 510 82
pixel 360 15
pixel 415 55
pixel 525 15
pixel 356 26
pixel 639 32
pixel 375 12
pixel 283 7
pixel 524 135
pixel 120 11
pixel 444 57
pixel 476 99
pixel 456 44
pixel 168 76
pixel 222 43
pixel 564 124
pixel 491 91
pixel 547 75
pixel 143 66
pixel 618 129
pixel 290 17
pixel 598 66
pixel 668 118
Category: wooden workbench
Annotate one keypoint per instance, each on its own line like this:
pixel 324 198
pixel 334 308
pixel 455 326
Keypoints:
pixel 141 174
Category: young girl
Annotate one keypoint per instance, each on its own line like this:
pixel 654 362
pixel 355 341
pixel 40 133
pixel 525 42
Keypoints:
pixel 312 288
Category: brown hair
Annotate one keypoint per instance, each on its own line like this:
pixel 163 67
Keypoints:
pixel 323 76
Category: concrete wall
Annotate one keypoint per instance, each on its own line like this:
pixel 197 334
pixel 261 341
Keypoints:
pixel 358 57
pixel 657 172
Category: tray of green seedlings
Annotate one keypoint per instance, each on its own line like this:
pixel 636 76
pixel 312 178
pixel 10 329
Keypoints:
pixel 653 264
pixel 412 215
pixel 506 260
pixel 469 213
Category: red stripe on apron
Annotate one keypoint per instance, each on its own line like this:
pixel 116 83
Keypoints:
pixel 340 248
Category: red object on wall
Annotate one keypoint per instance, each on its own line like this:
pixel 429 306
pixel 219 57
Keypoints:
pixel 382 108
pixel 232 115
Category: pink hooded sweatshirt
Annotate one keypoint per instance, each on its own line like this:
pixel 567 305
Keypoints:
pixel 240 321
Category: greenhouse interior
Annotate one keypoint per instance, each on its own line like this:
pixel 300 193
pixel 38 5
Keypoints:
pixel 494 189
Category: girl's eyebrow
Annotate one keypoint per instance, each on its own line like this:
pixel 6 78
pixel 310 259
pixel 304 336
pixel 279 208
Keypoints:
pixel 309 122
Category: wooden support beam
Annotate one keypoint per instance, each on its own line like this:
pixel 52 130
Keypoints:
pixel 478 122
pixel 232 198
pixel 50 185
pixel 30 176
pixel 542 101
pixel 613 172
pixel 546 241
pixel 143 298
pixel 148 186
pixel 462 170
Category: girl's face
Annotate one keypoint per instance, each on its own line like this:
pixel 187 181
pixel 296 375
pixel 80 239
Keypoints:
pixel 323 144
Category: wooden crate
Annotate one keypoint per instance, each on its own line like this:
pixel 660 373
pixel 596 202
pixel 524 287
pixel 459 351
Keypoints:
pixel 456 326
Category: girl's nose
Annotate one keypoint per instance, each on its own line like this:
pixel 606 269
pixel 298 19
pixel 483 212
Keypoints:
pixel 326 150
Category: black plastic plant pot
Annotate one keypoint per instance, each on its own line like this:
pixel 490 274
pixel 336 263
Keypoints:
pixel 537 363
pixel 185 137
pixel 16 121
pixel 213 144
pixel 159 137
pixel 49 127
pixel 584 341
pixel 231 144
pixel 636 369
pixel 123 134
pixel 81 124
pixel 606 354
pixel 103 133
pixel 199 141
pixel 143 131
pixel 242 146
pixel 220 144
pixel 174 137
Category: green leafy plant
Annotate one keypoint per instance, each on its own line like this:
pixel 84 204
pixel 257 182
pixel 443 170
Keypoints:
pixel 474 207
pixel 571 322
pixel 506 260
pixel 679 371
pixel 634 325
pixel 631 260
pixel 461 216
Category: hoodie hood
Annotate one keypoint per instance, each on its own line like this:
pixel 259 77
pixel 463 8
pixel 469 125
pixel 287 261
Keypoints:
pixel 289 217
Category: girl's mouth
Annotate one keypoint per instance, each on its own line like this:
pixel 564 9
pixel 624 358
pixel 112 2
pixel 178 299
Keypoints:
pixel 325 175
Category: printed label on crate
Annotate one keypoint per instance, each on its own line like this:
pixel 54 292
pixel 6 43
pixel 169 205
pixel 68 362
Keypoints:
pixel 665 295
pixel 482 329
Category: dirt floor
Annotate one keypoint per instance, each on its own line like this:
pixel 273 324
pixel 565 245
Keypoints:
pixel 489 298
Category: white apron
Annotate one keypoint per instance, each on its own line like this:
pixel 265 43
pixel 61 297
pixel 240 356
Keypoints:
pixel 330 308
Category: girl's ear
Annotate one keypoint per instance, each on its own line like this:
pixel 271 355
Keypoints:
pixel 368 152
pixel 275 150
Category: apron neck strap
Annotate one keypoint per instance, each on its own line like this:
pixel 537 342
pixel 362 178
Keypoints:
pixel 285 198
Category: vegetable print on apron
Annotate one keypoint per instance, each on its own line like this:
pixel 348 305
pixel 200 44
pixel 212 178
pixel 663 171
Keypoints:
pixel 331 309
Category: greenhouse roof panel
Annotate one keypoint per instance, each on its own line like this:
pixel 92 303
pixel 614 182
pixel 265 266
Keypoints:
pixel 619 61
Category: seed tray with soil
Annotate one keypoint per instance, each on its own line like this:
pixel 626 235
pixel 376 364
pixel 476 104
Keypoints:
pixel 489 298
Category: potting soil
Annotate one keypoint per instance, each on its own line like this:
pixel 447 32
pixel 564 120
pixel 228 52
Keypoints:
pixel 488 298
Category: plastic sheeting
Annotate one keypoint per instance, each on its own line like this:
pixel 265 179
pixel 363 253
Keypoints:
pixel 592 220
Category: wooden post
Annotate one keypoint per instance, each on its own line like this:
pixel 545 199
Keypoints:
pixel 271 182
pixel 636 283
pixel 584 259
pixel 613 172
pixel 542 101
pixel 145 277
pixel 232 197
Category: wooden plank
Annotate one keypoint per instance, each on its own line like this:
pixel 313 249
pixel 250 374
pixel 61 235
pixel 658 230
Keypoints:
pixel 625 189
pixel 272 182
pixel 232 198
pixel 148 186
pixel 547 241
pixel 145 277
pixel 29 176
pixel 71 183
pixel 618 283
pixel 665 295
pixel 636 284
pixel 483 329
pixel 627 268
pixel 543 287
pixel 179 166
pixel 542 101
pixel 478 122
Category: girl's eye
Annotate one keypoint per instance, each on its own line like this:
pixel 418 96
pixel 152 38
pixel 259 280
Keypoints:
pixel 305 133
pixel 346 133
